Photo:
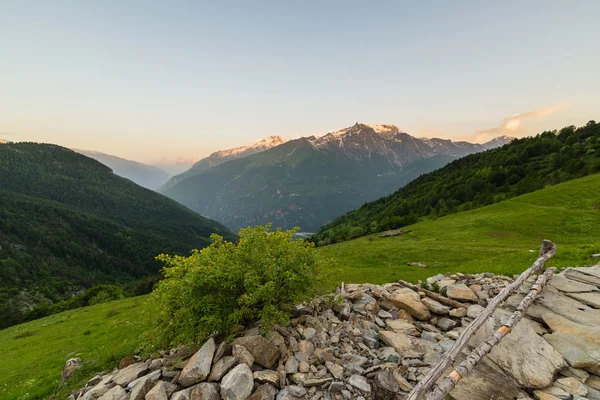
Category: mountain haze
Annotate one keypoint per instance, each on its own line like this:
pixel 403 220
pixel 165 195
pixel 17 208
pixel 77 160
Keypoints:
pixel 148 176
pixel 68 222
pixel 311 180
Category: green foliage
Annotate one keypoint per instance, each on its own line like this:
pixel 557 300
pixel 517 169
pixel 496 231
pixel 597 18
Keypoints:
pixel 226 284
pixel 496 238
pixel 477 180
pixel 68 223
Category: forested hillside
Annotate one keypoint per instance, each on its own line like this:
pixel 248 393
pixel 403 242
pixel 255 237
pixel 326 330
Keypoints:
pixel 67 222
pixel 477 180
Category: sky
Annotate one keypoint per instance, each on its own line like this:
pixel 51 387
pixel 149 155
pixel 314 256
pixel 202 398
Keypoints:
pixel 145 80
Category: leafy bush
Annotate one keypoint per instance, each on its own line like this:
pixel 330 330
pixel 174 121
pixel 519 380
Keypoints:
pixel 215 289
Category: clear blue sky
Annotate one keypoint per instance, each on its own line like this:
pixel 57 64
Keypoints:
pixel 143 79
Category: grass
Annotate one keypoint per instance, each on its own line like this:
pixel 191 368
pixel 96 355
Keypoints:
pixel 498 238
pixel 34 353
pixel 503 238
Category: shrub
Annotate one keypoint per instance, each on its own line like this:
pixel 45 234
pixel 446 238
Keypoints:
pixel 226 284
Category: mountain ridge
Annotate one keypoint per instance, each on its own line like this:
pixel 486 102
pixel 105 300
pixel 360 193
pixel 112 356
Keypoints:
pixel 310 180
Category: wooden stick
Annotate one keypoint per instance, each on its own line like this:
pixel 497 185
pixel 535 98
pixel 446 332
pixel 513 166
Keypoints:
pixel 434 295
pixel 441 390
pixel 547 251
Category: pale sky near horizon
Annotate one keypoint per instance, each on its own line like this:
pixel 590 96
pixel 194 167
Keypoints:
pixel 144 80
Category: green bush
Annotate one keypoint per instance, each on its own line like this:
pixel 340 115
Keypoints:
pixel 216 289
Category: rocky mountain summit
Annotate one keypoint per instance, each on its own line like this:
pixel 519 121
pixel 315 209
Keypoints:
pixel 377 341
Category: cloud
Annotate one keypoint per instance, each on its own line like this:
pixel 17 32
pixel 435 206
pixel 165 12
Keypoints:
pixel 512 125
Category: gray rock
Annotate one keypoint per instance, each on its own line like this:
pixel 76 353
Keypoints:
pixel 221 367
pixel 405 345
pixel 141 388
pixel 130 373
pixel 435 306
pixel 264 392
pixel 566 285
pixel 100 388
pixel 385 385
pixel 205 391
pixel 410 301
pixel 291 365
pixel 577 352
pixel 401 326
pixel 572 386
pixel 291 393
pixel 360 382
pixel 116 393
pixel 486 381
pixel 161 391
pixel 267 376
pixel 242 355
pixel 474 311
pixel 198 367
pixel 446 324
pixel 264 352
pixel 237 384
pixel 185 394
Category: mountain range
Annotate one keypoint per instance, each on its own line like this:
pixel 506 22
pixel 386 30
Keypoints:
pixel 477 180
pixel 309 181
pixel 68 222
pixel 148 176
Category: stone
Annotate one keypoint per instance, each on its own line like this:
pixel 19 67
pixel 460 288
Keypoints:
pixel 264 392
pixel 474 311
pixel 198 367
pixel 71 365
pixel 267 376
pixel 360 382
pixel 403 384
pixel 577 352
pixel 306 381
pixel 593 382
pixel 264 352
pixel 126 362
pixel 584 275
pixel 292 392
pixel 558 323
pixel 591 299
pixel 161 391
pixel 237 384
pixel 445 282
pixel 141 388
pixel 405 345
pixel 486 381
pixel 522 354
pixel 291 365
pixel 152 376
pixel 116 393
pixel 446 324
pixel 458 312
pixel 539 395
pixel 205 391
pixel 571 385
pixel 130 373
pixel 100 388
pixel 461 292
pixel 401 326
pixel 309 333
pixel 557 392
pixel 435 306
pixel 566 285
pixel 185 394
pixel 242 355
pixel 221 367
pixel 385 385
pixel 336 370
pixel 410 301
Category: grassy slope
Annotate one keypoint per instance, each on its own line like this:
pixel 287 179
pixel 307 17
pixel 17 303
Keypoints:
pixel 100 335
pixel 496 238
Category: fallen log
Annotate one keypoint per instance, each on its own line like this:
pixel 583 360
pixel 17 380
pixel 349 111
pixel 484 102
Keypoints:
pixel 547 251
pixel 441 390
pixel 434 295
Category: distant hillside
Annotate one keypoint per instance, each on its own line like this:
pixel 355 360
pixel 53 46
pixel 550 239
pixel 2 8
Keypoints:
pixel 309 181
pixel 67 222
pixel 148 176
pixel 222 156
pixel 3 141
pixel 523 166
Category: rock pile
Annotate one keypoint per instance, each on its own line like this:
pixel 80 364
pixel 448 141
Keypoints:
pixel 375 342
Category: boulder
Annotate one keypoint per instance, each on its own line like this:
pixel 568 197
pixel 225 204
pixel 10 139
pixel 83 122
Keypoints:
pixel 435 306
pixel 116 393
pixel 242 355
pixel 401 326
pixel 486 381
pixel 221 367
pixel 267 376
pixel 205 391
pixel 237 384
pixel 130 373
pixel 577 352
pixel 410 301
pixel 360 382
pixel 264 352
pixel 141 388
pixel 264 392
pixel 405 345
pixel 198 367
pixel 161 391
pixel 460 292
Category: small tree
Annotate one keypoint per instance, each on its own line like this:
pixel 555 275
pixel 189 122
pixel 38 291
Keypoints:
pixel 226 284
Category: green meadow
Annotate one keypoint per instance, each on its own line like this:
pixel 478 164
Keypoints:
pixel 503 238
